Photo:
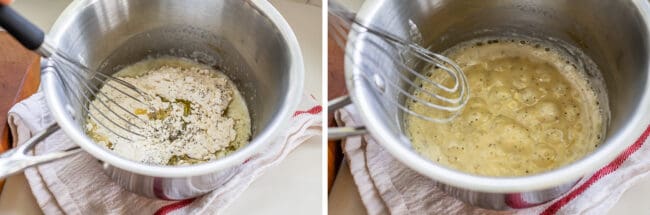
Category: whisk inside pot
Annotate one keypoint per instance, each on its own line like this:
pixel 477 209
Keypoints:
pixel 80 83
pixel 77 81
pixel 421 72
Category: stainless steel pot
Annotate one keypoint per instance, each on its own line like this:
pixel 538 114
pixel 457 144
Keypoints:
pixel 614 34
pixel 249 40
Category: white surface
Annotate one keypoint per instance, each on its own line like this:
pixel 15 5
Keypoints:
pixel 293 187
pixel 344 197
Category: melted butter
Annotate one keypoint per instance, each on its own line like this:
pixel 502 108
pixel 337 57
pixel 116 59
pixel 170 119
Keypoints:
pixel 530 111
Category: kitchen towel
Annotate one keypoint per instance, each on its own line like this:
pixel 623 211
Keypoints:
pixel 77 185
pixel 388 187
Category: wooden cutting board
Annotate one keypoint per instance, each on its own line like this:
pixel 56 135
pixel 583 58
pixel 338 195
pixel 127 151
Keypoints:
pixel 335 88
pixel 19 78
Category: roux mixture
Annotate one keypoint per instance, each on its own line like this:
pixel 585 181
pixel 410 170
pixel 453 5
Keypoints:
pixel 191 114
pixel 530 110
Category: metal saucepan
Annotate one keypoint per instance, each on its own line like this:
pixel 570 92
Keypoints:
pixel 614 34
pixel 249 40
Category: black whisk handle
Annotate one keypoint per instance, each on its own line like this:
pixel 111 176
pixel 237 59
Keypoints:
pixel 20 28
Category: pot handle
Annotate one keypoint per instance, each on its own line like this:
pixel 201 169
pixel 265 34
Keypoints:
pixel 342 132
pixel 17 159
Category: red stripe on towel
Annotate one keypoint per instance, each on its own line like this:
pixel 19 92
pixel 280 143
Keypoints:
pixel 157 189
pixel 611 167
pixel 173 206
pixel 315 110
pixel 246 161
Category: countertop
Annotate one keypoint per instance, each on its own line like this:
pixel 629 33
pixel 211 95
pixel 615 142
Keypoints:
pixel 282 189
pixel 344 197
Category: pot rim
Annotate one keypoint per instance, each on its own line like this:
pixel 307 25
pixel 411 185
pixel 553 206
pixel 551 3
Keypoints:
pixel 69 126
pixel 609 150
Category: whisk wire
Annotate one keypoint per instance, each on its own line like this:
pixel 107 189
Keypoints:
pixel 434 63
pixel 126 84
pixel 448 99
pixel 78 99
pixel 372 65
pixel 67 60
pixel 109 119
pixel 85 93
pixel 106 97
pixel 73 73
pixel 100 96
pixel 94 89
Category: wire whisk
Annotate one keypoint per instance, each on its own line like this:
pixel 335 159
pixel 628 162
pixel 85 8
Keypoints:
pixel 80 83
pixel 424 78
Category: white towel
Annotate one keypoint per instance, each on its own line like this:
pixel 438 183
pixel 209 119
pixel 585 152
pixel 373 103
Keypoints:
pixel 387 186
pixel 77 185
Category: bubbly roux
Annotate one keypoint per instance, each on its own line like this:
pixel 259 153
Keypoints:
pixel 530 110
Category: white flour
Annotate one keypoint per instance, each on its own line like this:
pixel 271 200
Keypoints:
pixel 193 114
